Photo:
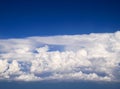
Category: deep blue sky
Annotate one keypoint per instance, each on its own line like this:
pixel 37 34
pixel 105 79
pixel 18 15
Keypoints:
pixel 22 18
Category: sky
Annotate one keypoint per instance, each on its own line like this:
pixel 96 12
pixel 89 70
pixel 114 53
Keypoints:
pixel 59 44
pixel 57 17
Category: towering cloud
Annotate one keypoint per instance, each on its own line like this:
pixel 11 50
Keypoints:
pixel 93 57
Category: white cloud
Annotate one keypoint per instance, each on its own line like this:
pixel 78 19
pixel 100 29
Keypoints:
pixel 3 65
pixel 93 57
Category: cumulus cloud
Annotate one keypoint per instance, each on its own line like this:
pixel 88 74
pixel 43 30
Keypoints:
pixel 93 57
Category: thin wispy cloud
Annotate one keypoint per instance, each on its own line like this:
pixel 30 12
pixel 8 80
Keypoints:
pixel 93 57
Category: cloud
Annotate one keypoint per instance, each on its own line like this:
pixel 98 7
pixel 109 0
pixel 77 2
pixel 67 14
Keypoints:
pixel 93 57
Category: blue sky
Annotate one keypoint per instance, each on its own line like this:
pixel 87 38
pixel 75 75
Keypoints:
pixel 57 17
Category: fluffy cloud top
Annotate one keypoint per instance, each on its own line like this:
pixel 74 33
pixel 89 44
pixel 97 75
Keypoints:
pixel 93 57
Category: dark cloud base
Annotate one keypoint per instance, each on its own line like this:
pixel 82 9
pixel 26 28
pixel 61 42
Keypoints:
pixel 58 85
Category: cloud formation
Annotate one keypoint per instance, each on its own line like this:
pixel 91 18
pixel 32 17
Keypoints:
pixel 93 57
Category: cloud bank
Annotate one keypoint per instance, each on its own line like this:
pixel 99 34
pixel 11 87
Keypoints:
pixel 93 57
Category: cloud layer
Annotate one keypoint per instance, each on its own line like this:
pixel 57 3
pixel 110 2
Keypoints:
pixel 93 57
